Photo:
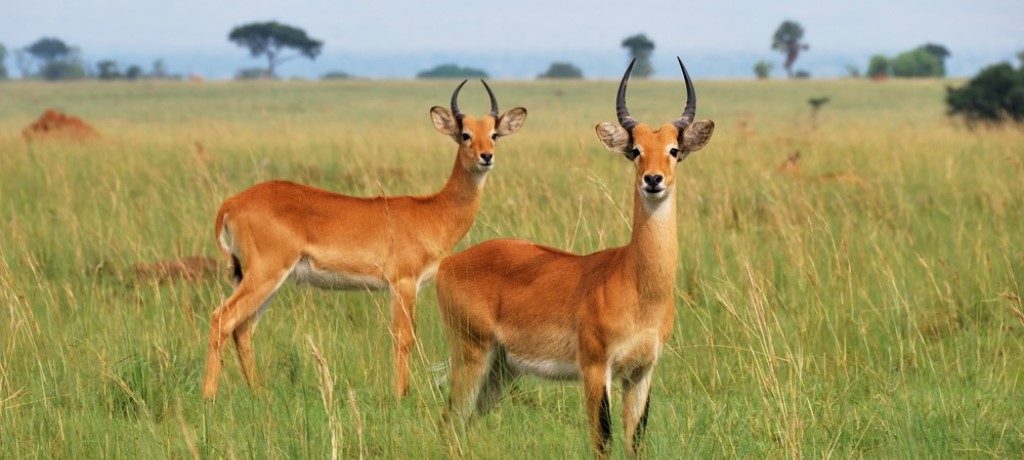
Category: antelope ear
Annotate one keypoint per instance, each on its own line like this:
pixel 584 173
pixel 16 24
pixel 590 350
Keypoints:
pixel 614 137
pixel 444 121
pixel 511 121
pixel 696 136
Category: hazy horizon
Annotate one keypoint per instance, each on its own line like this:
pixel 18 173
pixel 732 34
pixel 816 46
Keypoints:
pixel 398 39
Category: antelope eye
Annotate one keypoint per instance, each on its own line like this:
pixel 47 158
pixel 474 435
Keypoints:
pixel 494 136
pixel 635 152
pixel 465 136
pixel 674 152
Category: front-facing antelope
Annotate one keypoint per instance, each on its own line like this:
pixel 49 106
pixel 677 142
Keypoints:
pixel 512 307
pixel 276 230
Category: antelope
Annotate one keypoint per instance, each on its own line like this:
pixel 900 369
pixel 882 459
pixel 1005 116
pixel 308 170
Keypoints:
pixel 278 230
pixel 511 307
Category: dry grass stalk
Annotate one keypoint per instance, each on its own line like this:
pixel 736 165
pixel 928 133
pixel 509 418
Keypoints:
pixel 326 394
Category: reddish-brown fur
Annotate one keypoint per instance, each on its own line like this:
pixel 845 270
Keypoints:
pixel 511 304
pixel 280 229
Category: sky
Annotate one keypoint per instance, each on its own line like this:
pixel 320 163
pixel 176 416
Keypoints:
pixel 395 39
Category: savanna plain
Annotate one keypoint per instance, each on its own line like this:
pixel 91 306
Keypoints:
pixel 868 304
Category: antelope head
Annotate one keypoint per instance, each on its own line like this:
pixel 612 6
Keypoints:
pixel 655 152
pixel 476 136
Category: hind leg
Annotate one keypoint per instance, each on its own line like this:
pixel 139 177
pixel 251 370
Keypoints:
pixel 244 303
pixel 243 345
pixel 471 363
pixel 493 387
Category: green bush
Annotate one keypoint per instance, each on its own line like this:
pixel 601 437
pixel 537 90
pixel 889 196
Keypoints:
pixel 917 63
pixel 62 69
pixel 996 94
pixel 250 73
pixel 562 70
pixel 879 66
pixel 336 75
pixel 763 69
pixel 3 57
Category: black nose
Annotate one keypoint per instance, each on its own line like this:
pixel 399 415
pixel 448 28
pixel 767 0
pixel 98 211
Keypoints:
pixel 653 179
pixel 486 157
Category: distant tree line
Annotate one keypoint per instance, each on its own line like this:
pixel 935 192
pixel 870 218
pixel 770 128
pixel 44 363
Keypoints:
pixel 452 71
pixel 52 59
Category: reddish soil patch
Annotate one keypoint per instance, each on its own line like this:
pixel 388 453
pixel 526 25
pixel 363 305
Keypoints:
pixel 56 124
pixel 191 268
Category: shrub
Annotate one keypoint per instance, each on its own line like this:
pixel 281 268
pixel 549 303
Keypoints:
pixel 335 75
pixel 879 66
pixel 996 94
pixel 62 70
pixel 562 70
pixel 250 73
pixel 917 63
pixel 762 69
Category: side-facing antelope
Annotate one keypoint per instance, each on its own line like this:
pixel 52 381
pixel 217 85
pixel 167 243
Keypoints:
pixel 512 307
pixel 276 230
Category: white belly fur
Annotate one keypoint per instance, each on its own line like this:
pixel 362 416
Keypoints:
pixel 641 351
pixel 306 273
pixel 545 368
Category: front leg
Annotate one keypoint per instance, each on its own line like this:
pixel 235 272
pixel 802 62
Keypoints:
pixel 403 329
pixel 636 390
pixel 597 386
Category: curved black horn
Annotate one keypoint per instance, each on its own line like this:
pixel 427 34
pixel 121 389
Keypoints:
pixel 455 102
pixel 494 101
pixel 690 110
pixel 620 101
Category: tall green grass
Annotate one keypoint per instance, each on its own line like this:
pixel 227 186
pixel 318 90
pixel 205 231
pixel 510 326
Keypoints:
pixel 816 318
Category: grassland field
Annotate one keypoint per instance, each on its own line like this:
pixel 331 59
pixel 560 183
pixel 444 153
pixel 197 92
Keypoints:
pixel 875 317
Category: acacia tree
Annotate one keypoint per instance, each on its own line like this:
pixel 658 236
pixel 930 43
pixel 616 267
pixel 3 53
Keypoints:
pixel 640 48
pixel 48 49
pixel 271 39
pixel 788 39
pixel 58 61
